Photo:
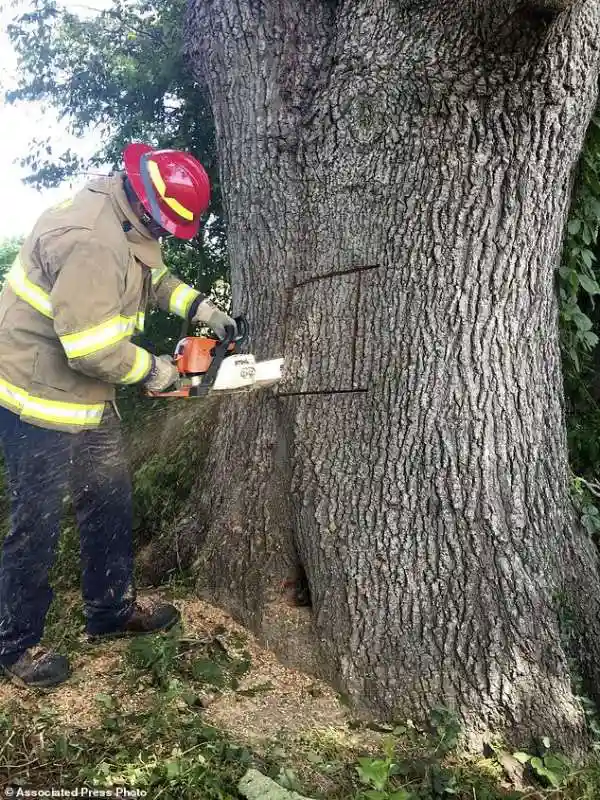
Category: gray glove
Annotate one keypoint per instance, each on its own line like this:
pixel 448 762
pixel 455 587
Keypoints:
pixel 162 375
pixel 218 321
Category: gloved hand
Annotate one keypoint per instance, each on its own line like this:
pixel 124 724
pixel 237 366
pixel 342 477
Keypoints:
pixel 162 375
pixel 218 321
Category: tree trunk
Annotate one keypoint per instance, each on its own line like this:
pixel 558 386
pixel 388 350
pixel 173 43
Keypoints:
pixel 396 179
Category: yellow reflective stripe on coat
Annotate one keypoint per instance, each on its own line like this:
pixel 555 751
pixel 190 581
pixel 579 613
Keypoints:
pixel 181 299
pixel 141 366
pixel 38 408
pixel 91 340
pixel 40 300
pixel 158 273
pixel 11 395
pixel 28 291
pixel 65 413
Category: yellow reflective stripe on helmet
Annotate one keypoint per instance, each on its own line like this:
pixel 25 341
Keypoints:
pixel 158 273
pixel 91 340
pixel 28 291
pixel 181 299
pixel 160 185
pixel 141 366
pixel 38 408
pixel 157 178
pixel 179 209
pixel 140 320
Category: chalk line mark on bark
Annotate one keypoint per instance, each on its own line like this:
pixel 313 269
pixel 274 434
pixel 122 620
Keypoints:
pixel 338 305
pixel 335 273
pixel 322 391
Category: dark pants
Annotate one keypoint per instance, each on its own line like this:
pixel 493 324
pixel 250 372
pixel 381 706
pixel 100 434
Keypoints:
pixel 42 465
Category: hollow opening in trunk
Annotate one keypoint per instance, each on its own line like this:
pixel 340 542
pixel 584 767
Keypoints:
pixel 296 589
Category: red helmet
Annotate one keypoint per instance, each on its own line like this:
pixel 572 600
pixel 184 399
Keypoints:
pixel 172 186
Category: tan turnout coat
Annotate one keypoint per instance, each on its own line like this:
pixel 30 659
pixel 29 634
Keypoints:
pixel 76 294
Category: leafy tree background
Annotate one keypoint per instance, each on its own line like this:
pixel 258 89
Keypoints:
pixel 8 250
pixel 123 73
pixel 580 315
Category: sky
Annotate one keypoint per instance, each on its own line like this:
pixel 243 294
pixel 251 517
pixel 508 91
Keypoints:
pixel 20 205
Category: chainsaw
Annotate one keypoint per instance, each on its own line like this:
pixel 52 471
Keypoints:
pixel 207 365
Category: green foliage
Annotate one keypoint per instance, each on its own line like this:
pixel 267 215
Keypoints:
pixel 446 727
pixel 168 444
pixel 585 495
pixel 8 250
pixel 378 773
pixel 578 278
pixel 162 484
pixel 551 768
pixel 583 418
pixel 156 654
pixel 120 73
pixel 164 745
pixel 160 750
pixel 414 766
pixel 212 664
pixel 578 286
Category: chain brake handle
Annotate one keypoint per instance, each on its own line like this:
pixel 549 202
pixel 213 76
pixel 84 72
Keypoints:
pixel 219 353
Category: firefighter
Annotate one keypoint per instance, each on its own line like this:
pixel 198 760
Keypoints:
pixel 75 295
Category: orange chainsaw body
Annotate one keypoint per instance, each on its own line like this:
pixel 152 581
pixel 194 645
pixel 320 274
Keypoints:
pixel 193 356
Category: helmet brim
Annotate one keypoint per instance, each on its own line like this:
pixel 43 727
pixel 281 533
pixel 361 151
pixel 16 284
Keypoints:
pixel 132 156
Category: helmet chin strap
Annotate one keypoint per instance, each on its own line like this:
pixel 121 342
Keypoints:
pixel 150 221
pixel 149 189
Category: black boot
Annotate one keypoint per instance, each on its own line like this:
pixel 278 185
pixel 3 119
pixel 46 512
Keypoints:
pixel 142 620
pixel 38 668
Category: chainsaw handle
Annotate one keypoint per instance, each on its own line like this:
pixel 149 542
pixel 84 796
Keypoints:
pixel 219 352
pixel 243 329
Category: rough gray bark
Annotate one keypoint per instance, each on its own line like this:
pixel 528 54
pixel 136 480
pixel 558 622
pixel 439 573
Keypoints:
pixel 396 178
